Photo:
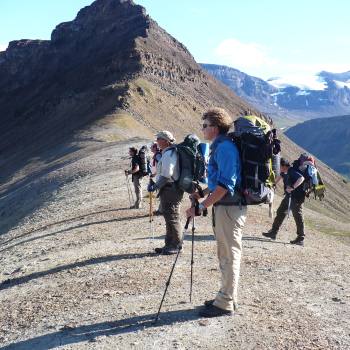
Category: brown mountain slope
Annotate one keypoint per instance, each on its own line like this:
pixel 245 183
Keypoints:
pixel 109 75
pixel 112 67
pixel 77 271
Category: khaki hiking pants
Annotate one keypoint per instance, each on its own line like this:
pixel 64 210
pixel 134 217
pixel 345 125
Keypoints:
pixel 170 200
pixel 228 223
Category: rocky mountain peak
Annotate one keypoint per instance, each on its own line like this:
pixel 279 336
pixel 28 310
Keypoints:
pixel 102 18
pixel 112 62
pixel 101 36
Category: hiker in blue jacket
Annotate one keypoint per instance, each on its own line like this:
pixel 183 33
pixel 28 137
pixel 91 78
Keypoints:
pixel 224 176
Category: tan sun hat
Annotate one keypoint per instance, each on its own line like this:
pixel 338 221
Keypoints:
pixel 166 135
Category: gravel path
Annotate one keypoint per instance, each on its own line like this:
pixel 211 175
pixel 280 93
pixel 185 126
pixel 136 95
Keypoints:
pixel 78 272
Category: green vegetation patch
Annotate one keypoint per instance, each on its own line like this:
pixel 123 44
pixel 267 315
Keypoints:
pixel 328 230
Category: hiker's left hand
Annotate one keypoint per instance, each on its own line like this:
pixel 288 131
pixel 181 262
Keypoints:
pixel 151 187
pixel 190 212
pixel 289 189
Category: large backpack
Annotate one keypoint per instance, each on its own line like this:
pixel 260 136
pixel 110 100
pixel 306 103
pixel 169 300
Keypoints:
pixel 144 161
pixel 259 150
pixel 192 163
pixel 313 182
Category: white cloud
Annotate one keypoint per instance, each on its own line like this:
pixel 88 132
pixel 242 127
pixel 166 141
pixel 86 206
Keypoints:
pixel 3 47
pixel 257 60
pixel 242 56
pixel 316 67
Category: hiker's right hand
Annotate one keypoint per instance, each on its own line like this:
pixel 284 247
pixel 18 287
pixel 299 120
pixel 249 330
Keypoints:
pixel 194 195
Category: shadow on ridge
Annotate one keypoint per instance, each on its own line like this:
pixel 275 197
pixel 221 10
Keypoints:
pixel 260 239
pixel 9 283
pixel 72 228
pixel 90 332
pixel 58 223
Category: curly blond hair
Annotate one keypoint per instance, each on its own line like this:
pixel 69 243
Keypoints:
pixel 218 117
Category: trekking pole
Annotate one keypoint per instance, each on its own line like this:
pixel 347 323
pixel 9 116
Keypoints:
pixel 192 261
pixel 130 190
pixel 127 186
pixel 171 272
pixel 289 204
pixel 151 214
pixel 273 192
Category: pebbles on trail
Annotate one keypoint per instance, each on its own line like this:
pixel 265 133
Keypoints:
pixel 79 272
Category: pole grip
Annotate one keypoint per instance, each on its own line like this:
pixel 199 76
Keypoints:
pixel 187 223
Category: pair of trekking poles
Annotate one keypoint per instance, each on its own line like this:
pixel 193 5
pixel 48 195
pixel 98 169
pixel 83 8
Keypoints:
pixel 175 261
pixel 130 194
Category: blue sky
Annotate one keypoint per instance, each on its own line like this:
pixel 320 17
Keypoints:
pixel 264 38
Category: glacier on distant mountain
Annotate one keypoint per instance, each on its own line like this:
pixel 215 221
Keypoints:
pixel 342 84
pixel 303 82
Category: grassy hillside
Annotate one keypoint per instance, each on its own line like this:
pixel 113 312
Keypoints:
pixel 326 138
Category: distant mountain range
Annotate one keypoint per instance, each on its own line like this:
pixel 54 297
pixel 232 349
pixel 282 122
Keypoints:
pixel 289 102
pixel 326 138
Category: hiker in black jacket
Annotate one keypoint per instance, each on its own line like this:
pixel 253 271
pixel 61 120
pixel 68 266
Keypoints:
pixel 292 201
pixel 136 176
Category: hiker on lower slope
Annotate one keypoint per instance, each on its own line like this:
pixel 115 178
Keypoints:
pixel 224 177
pixel 292 201
pixel 170 195
pixel 136 176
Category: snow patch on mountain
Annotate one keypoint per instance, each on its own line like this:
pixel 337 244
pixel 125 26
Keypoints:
pixel 303 82
pixel 342 84
pixel 302 93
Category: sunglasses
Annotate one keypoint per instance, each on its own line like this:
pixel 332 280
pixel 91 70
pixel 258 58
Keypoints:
pixel 204 126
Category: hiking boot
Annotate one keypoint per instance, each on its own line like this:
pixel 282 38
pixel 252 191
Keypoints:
pixel 270 234
pixel 167 250
pixel 214 311
pixel 298 241
pixel 157 212
pixel 159 250
pixel 208 303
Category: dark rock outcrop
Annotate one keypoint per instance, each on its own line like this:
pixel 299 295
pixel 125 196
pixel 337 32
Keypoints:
pixel 92 68
pixel 107 43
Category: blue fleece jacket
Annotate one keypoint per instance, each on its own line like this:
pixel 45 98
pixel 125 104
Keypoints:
pixel 224 168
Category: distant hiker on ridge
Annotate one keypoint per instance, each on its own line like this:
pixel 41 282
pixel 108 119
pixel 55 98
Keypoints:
pixel 293 201
pixel 135 172
pixel 229 215
pixel 170 195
